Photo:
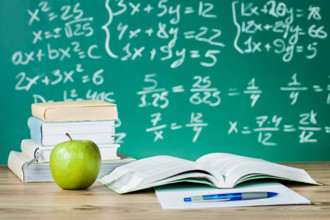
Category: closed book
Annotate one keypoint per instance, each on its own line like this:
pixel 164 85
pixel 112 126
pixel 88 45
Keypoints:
pixel 75 110
pixel 26 169
pixel 41 153
pixel 52 133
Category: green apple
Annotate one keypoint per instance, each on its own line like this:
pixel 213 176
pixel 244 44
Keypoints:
pixel 75 164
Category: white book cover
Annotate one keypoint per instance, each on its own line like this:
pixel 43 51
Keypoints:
pixel 42 153
pixel 52 133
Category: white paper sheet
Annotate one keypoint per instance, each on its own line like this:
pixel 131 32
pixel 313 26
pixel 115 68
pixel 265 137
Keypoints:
pixel 171 196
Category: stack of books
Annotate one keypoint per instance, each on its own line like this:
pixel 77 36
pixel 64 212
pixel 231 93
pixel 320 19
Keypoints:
pixel 84 120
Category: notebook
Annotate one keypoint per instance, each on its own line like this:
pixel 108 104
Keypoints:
pixel 171 196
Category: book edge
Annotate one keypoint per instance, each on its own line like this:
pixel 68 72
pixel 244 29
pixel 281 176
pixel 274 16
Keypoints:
pixel 16 164
pixel 70 104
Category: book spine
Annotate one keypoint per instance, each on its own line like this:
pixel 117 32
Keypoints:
pixel 35 126
pixel 14 166
pixel 29 148
pixel 38 112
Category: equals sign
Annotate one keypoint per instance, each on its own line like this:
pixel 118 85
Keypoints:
pixel 189 10
pixel 189 34
pixel 195 54
pixel 52 16
pixel 327 129
pixel 246 130
pixel 300 13
pixel 177 89
pixel 289 128
pixel 300 49
pixel 82 55
pixel 85 79
pixel 233 92
pixel 174 126
pixel 317 88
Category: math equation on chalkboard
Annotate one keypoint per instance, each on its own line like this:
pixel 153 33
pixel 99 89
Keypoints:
pixel 255 70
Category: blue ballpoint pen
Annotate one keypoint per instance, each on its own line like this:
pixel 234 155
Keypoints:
pixel 230 197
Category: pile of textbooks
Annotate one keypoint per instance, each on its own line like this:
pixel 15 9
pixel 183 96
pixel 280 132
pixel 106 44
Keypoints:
pixel 84 120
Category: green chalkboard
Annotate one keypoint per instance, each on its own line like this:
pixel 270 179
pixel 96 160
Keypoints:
pixel 189 77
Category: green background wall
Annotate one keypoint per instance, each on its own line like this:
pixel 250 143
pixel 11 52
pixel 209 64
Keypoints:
pixel 189 77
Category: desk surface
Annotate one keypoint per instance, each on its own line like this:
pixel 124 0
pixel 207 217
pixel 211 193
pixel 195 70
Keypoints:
pixel 47 201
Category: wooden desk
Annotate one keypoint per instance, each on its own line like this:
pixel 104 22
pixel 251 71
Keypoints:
pixel 47 201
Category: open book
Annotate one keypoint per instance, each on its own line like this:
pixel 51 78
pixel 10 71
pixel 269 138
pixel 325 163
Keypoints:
pixel 217 169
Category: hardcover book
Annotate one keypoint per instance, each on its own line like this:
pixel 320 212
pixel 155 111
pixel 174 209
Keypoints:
pixel 52 133
pixel 75 110
pixel 26 168
pixel 41 153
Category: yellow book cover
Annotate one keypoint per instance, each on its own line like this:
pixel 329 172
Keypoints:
pixel 75 110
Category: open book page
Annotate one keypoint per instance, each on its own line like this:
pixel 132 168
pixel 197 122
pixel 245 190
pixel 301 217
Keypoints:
pixel 236 169
pixel 153 171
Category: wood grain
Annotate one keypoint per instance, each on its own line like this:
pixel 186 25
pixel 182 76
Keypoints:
pixel 47 201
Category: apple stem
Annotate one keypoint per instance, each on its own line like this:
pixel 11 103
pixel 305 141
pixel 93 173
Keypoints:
pixel 67 134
